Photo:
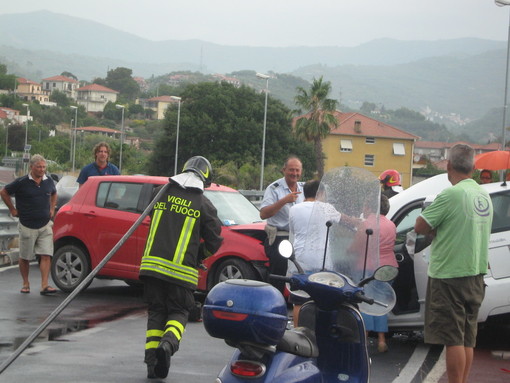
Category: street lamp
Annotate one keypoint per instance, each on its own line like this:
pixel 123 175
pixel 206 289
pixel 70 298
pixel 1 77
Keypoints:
pixel 121 135
pixel 178 99
pixel 26 157
pixel 73 135
pixel 502 3
pixel 264 77
pixel 26 125
pixel 6 137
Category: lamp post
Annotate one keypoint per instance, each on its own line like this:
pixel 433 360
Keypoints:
pixel 26 125
pixel 6 127
pixel 121 135
pixel 264 77
pixel 26 157
pixel 73 136
pixel 502 3
pixel 178 99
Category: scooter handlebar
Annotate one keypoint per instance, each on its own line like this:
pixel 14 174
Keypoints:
pixel 279 277
pixel 362 298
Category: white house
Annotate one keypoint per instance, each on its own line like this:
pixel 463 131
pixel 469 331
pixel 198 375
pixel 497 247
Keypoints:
pixel 63 84
pixel 94 97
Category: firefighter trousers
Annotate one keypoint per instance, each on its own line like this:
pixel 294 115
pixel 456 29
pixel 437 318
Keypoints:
pixel 168 309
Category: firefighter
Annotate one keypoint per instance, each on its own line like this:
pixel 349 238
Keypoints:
pixel 390 182
pixel 180 218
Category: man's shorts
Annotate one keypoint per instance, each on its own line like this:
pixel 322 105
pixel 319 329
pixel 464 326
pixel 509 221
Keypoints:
pixel 451 310
pixel 35 241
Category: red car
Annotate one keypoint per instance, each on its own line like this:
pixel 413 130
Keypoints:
pixel 105 208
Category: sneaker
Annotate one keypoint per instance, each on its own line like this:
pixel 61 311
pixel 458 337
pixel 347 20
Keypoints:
pixel 163 354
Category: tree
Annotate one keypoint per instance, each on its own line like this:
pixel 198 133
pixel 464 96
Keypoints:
pixel 69 75
pixel 111 112
pixel 51 116
pixel 224 124
pixel 53 148
pixel 9 100
pixel 318 117
pixel 368 107
pixel 120 79
pixel 135 110
pixel 245 177
pixel 60 98
pixel 7 81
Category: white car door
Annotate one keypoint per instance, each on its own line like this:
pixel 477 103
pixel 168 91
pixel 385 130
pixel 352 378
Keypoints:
pixel 411 282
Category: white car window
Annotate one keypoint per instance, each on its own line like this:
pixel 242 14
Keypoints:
pixel 501 205
pixel 406 223
pixel 119 196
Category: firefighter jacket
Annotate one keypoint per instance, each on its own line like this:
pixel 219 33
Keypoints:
pixel 180 218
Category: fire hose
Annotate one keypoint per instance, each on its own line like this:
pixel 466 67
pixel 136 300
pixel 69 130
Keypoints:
pixel 81 286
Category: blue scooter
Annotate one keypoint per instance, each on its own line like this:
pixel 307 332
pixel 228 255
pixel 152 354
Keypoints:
pixel 329 344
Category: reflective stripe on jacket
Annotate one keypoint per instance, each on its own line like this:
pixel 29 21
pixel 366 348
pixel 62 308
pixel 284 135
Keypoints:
pixel 180 218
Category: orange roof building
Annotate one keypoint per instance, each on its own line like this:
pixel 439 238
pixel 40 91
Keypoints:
pixel 364 142
pixel 29 90
pixel 61 83
pixel 98 129
pixel 94 97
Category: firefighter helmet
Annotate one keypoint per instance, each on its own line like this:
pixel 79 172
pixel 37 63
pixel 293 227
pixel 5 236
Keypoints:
pixel 390 178
pixel 201 167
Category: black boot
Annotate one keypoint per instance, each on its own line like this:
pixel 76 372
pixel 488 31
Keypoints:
pixel 163 354
pixel 150 371
pixel 150 360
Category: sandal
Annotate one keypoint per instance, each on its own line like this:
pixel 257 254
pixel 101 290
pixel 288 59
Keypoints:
pixel 382 347
pixel 25 290
pixel 48 290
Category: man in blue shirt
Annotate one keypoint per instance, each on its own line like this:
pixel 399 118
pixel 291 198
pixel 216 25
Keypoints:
pixel 36 197
pixel 101 166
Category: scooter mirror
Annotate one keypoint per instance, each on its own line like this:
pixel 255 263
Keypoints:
pixel 386 273
pixel 285 248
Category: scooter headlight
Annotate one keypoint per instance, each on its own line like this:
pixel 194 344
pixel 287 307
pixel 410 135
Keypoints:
pixel 328 279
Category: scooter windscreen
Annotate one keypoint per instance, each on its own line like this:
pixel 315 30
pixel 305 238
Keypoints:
pixel 343 232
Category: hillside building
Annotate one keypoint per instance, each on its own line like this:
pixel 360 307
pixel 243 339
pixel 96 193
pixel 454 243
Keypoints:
pixel 158 105
pixel 29 90
pixel 108 132
pixel 437 152
pixel 94 97
pixel 364 142
pixel 63 84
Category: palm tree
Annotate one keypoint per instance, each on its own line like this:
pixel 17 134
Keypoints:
pixel 316 117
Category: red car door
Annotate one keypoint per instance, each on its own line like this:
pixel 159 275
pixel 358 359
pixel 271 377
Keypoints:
pixel 115 210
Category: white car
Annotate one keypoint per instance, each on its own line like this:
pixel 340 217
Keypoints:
pixel 410 285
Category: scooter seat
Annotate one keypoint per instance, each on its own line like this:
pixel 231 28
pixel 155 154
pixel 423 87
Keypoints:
pixel 299 341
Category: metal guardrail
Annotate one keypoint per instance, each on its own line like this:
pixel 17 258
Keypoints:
pixel 254 196
pixel 8 235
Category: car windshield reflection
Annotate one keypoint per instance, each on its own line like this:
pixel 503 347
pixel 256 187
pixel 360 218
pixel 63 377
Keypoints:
pixel 233 208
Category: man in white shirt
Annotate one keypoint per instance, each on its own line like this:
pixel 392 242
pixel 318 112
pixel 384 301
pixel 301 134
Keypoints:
pixel 279 197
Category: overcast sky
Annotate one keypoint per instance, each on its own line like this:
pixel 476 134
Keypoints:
pixel 286 22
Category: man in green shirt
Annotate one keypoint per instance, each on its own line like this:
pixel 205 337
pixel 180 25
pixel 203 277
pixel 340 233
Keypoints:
pixel 460 220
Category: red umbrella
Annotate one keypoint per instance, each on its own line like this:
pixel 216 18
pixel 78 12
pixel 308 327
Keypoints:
pixel 495 160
